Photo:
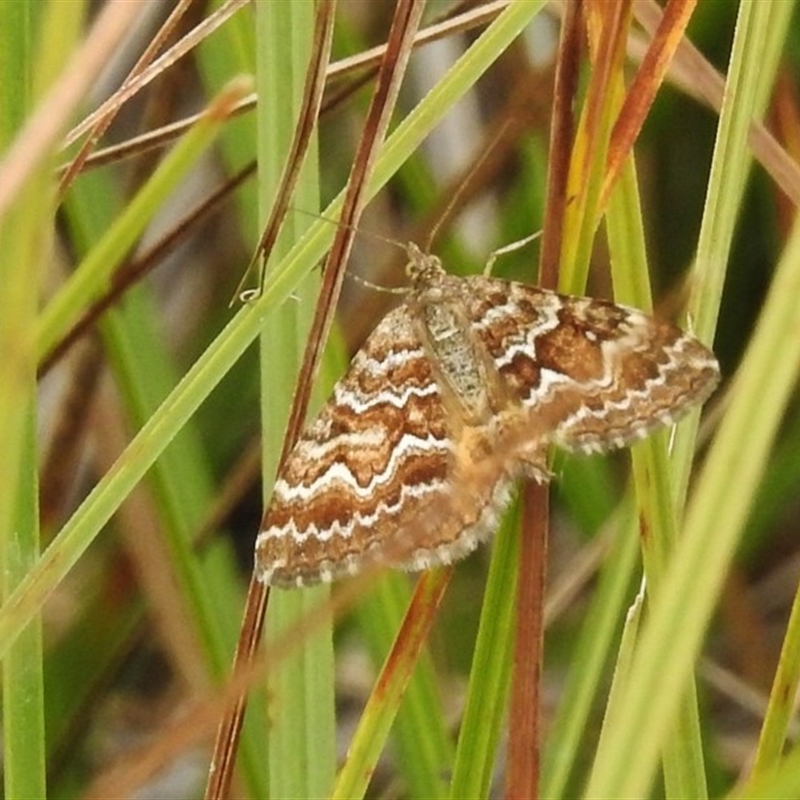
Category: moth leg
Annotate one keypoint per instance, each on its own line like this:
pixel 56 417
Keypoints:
pixel 508 248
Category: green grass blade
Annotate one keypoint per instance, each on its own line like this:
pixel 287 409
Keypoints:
pixel 592 652
pixel 751 72
pixel 490 674
pixel 301 736
pixel 613 771
pixel 422 743
pixel 378 717
pixel 35 43
pixel 780 783
pixel 781 707
pixel 23 690
pixel 93 275
pixel 181 480
pixel 714 520
pixel 684 772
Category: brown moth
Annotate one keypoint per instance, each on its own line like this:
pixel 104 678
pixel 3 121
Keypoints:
pixel 456 394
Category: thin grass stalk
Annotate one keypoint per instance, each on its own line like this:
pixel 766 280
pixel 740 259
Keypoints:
pixel 180 482
pixel 103 124
pixel 607 29
pixel 490 674
pixel 714 520
pixel 42 129
pixel 643 88
pixel 562 140
pixel 751 73
pixel 781 707
pixel 524 753
pixel 156 68
pixel 92 276
pixel 35 44
pixel 229 742
pixel 378 716
pixel 524 747
pixel 421 740
pixel 301 735
pixel 592 652
pixel 731 153
pixel 684 772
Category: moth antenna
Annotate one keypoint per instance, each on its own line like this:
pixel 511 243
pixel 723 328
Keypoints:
pixel 359 231
pixel 250 295
pixel 399 290
pixel 462 186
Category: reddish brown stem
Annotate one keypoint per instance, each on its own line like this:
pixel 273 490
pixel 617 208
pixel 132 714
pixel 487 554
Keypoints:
pixel 220 772
pixel 522 779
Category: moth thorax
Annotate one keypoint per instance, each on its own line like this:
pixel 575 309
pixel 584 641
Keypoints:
pixel 456 357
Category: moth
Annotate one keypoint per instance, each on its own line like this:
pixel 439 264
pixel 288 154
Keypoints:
pixel 455 395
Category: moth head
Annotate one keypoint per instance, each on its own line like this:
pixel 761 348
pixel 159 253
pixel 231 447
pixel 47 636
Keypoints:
pixel 422 268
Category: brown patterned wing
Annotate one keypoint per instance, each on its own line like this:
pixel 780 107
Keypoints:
pixel 392 472
pixel 371 481
pixel 593 375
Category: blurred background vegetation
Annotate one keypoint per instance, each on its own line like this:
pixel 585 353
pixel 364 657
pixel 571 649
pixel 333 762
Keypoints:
pixel 136 612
